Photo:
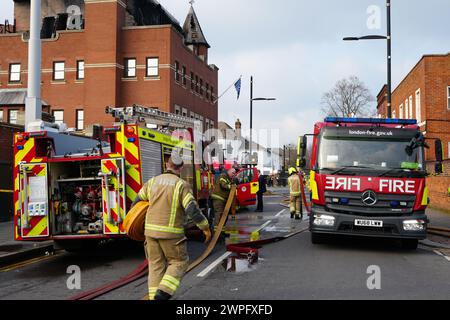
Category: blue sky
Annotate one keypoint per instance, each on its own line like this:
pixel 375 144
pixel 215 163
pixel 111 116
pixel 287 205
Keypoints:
pixel 295 52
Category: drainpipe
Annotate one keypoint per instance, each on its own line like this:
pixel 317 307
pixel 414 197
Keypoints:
pixel 33 104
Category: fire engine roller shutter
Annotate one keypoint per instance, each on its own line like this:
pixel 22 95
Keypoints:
pixel 151 159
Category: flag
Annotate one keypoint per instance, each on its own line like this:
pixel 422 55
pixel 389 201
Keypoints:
pixel 237 85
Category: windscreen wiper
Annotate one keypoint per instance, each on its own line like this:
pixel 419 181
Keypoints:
pixel 345 168
pixel 392 170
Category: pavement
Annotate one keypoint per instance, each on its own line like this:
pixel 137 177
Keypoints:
pixel 13 251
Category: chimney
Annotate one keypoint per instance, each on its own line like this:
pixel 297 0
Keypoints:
pixel 237 126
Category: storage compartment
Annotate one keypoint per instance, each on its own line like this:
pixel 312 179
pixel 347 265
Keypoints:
pixel 76 198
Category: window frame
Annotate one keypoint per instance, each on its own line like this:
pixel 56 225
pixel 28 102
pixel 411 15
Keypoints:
pixel 77 119
pixel 192 81
pixel 53 114
pixel 448 97
pixel 401 113
pixel 418 105
pixel 10 111
pixel 177 71
pixel 2 116
pixel 148 67
pixel 127 68
pixel 55 72
pixel 80 70
pixel 201 87
pixel 183 76
pixel 11 73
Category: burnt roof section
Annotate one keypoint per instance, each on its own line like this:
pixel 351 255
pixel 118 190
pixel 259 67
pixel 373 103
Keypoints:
pixel 150 12
pixel 193 30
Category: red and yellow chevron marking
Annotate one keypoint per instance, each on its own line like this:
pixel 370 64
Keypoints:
pixel 112 228
pixel 128 142
pixel 26 155
pixel 38 225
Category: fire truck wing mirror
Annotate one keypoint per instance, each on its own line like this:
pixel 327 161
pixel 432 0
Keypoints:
pixel 302 146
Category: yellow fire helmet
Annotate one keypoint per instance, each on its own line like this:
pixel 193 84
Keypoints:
pixel 292 170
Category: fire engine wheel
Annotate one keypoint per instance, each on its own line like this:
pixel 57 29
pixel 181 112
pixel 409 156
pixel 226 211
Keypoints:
pixel 317 238
pixel 410 244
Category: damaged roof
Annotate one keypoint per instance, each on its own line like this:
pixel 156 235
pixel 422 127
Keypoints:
pixel 193 30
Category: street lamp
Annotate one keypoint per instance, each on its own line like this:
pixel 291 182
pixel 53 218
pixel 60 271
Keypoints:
pixel 251 112
pixel 389 56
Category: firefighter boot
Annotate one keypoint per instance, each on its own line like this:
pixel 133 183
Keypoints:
pixel 292 215
pixel 161 295
pixel 297 217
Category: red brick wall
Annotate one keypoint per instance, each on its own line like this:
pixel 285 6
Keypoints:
pixel 103 45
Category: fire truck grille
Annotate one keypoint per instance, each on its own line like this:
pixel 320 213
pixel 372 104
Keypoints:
pixel 386 204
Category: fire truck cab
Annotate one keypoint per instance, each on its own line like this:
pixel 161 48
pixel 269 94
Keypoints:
pixel 367 179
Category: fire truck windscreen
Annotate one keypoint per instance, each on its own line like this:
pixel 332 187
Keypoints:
pixel 368 148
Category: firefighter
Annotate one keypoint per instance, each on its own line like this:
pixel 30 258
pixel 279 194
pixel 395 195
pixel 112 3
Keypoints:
pixel 171 202
pixel 295 194
pixel 221 193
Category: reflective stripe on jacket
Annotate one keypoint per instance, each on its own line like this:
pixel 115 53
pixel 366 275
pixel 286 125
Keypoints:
pixel 222 188
pixel 294 185
pixel 169 199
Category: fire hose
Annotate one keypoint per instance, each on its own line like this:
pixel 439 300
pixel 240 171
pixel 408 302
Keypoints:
pixel 249 249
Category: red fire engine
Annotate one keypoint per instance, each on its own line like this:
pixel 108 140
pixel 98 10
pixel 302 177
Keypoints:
pixel 368 179
pixel 71 188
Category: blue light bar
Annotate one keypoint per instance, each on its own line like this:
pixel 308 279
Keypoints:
pixel 371 120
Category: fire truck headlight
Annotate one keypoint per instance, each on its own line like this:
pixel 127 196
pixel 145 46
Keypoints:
pixel 413 225
pixel 324 220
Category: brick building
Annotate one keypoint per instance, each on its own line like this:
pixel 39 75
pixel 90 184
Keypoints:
pixel 112 53
pixel 424 94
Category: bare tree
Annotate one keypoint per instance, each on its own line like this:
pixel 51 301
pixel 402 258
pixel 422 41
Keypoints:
pixel 349 97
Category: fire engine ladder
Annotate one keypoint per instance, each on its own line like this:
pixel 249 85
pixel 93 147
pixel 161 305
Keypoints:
pixel 136 113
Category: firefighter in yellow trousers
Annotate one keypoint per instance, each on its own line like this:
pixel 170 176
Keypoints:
pixel 171 203
pixel 295 194
pixel 221 193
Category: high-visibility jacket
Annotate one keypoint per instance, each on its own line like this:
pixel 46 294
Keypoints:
pixel 171 204
pixel 222 188
pixel 294 185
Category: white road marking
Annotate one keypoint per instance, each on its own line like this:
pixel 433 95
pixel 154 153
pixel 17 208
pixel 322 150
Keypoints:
pixel 213 265
pixel 279 213
pixel 441 254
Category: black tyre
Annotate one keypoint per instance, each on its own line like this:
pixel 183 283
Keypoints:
pixel 410 244
pixel 317 238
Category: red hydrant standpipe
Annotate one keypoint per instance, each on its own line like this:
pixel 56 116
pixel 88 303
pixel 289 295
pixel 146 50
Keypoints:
pixel 305 202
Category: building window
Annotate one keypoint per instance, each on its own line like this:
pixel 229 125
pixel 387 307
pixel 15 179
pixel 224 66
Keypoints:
pixel 448 97
pixel 183 73
pixel 177 71
pixel 14 72
pixel 152 67
pixel 58 70
pixel 207 91
pixel 197 84
pixel 1 115
pixel 177 110
pixel 418 107
pixel 59 116
pixel 201 87
pixel 401 111
pixel 192 81
pixel 80 119
pixel 130 68
pixel 12 116
pixel 184 112
pixel 448 150
pixel 80 70
pixel 394 115
pixel 212 124
pixel 411 107
pixel 212 94
pixel 406 109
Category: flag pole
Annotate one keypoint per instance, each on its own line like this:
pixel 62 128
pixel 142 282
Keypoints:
pixel 215 101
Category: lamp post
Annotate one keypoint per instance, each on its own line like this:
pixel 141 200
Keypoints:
pixel 251 112
pixel 389 54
